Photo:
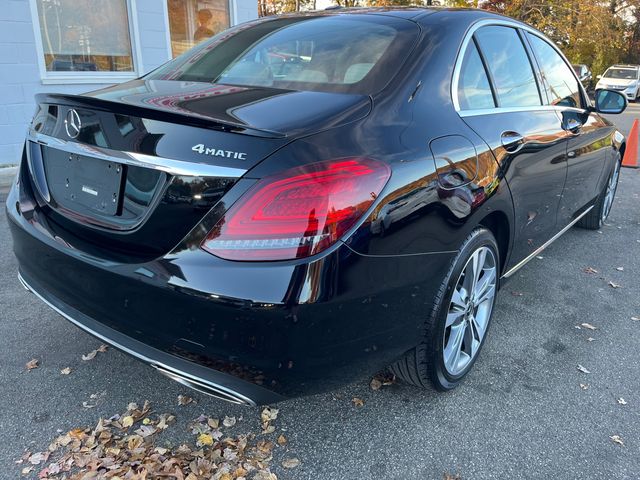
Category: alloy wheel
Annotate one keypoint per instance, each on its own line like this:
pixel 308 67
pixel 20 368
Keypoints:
pixel 469 311
pixel 610 192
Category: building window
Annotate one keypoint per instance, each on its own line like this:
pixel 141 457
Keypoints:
pixel 192 21
pixel 85 36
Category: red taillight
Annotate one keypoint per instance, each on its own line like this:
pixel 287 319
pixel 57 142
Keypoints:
pixel 298 213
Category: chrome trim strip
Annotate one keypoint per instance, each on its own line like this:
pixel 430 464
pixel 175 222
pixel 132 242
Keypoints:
pixel 168 165
pixel 537 251
pixel 463 48
pixel 536 108
pixel 177 375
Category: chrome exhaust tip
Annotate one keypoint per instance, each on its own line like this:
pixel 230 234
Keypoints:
pixel 205 387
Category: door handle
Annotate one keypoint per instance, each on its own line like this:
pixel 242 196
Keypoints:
pixel 512 141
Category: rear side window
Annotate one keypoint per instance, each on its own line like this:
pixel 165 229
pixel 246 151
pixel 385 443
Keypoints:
pixel 354 54
pixel 474 91
pixel 509 65
pixel 561 84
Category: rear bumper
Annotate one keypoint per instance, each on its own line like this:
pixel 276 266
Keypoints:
pixel 206 380
pixel 251 333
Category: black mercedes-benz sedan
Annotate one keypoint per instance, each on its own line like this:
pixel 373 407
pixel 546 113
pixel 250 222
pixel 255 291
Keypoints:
pixel 303 200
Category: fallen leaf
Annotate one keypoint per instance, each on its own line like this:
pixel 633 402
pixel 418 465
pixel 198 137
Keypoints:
pixel 290 462
pixel 184 400
pixel 582 369
pixel 38 458
pixel 637 319
pixel 31 364
pixel 86 404
pixel 358 402
pixel 213 422
pixel 622 401
pixel 102 348
pixel 589 326
pixel 617 439
pixel 620 269
pixel 204 440
pixel 65 371
pixel 590 270
pixel 614 285
pixel 229 421
pixel 27 470
pixel 584 386
pixel 282 440
pixel 127 421
pixel 269 414
pixel 90 356
pixel 375 384
pixel 451 476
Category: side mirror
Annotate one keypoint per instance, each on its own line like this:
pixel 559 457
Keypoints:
pixel 598 77
pixel 610 101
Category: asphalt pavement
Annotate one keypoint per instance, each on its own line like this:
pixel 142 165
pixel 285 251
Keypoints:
pixel 522 413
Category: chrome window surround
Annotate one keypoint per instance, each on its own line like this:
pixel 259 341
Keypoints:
pixel 167 165
pixel 489 111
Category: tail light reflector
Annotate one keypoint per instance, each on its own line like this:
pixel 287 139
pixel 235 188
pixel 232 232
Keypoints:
pixel 299 212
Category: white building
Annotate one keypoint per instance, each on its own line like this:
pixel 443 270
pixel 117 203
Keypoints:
pixel 73 46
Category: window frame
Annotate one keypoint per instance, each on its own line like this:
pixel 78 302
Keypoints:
pixel 520 28
pixel 47 77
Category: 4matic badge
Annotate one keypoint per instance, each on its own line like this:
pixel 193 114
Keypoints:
pixel 216 152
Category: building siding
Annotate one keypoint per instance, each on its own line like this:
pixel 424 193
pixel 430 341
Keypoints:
pixel 20 78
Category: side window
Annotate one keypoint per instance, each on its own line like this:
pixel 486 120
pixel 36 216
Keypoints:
pixel 509 65
pixel 474 91
pixel 559 80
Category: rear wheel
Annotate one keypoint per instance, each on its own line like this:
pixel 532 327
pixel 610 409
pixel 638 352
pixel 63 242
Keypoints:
pixel 457 326
pixel 599 213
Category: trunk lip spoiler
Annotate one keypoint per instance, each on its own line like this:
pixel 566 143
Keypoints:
pixel 192 119
pixel 168 165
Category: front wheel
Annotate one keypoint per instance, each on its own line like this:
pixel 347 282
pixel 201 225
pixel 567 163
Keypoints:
pixel 602 208
pixel 458 324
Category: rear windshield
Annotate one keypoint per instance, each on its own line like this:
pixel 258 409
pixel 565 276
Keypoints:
pixel 354 54
pixel 622 73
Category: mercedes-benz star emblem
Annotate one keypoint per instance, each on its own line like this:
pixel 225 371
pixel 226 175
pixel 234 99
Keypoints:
pixel 72 123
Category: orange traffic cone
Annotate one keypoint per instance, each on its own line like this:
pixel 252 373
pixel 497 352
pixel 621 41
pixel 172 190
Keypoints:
pixel 631 152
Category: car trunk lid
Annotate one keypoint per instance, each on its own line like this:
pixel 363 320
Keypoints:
pixel 135 167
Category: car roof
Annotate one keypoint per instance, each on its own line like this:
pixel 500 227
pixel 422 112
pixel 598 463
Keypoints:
pixel 627 67
pixel 408 12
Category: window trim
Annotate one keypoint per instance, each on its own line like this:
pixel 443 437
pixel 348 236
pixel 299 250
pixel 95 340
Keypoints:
pixel 518 26
pixel 47 77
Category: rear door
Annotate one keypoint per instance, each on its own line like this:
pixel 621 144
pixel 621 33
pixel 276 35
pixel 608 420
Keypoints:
pixel 589 137
pixel 499 97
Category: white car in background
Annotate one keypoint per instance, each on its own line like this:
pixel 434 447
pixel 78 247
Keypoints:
pixel 623 78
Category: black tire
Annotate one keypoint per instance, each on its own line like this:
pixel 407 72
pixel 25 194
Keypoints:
pixel 599 213
pixel 424 366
